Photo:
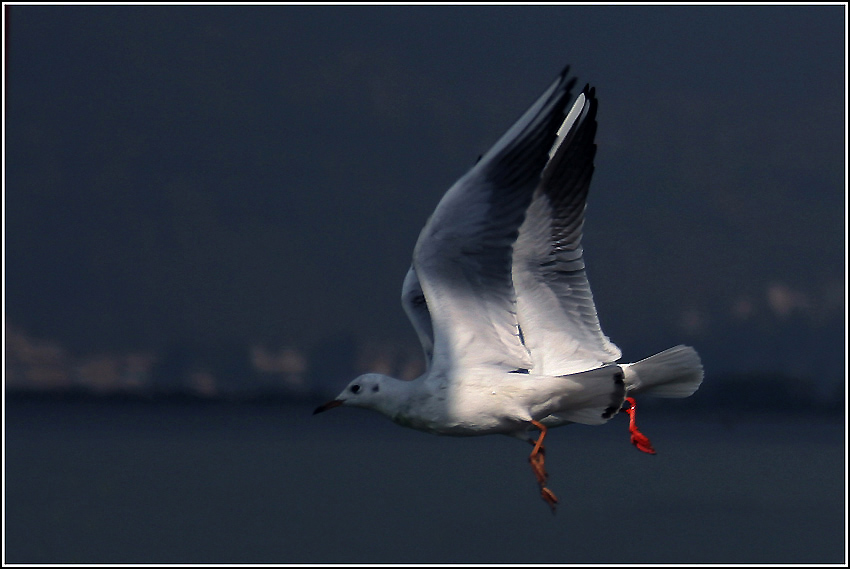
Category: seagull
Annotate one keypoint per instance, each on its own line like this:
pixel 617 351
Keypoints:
pixel 499 298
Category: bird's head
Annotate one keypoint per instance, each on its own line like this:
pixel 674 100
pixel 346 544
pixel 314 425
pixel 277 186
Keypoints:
pixel 368 391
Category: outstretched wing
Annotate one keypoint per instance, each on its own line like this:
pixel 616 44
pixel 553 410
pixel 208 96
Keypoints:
pixel 463 255
pixel 554 303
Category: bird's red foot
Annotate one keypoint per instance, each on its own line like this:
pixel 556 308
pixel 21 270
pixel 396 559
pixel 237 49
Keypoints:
pixel 640 440
pixel 549 497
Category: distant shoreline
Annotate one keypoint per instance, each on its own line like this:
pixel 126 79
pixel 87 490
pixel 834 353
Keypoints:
pixel 709 406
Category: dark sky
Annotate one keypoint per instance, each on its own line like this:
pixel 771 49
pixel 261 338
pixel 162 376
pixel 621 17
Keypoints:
pixel 261 173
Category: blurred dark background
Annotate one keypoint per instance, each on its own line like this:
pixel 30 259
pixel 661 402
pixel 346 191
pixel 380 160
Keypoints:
pixel 218 203
pixel 188 180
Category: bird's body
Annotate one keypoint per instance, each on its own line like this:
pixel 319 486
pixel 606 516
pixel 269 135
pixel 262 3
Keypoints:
pixel 498 295
pixel 482 401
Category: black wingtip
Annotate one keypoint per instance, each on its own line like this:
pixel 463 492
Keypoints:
pixel 564 78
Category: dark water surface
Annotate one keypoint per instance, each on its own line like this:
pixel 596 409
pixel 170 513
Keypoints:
pixel 133 482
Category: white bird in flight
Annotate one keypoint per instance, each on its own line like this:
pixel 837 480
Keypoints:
pixel 499 298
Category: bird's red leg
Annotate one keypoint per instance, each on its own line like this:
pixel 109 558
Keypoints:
pixel 638 439
pixel 536 457
pixel 536 460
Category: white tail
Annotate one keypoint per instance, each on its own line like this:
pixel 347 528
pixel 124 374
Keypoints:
pixel 676 372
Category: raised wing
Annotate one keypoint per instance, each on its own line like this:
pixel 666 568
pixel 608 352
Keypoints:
pixel 463 255
pixel 554 303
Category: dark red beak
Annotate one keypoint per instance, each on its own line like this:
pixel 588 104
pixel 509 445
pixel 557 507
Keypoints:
pixel 328 405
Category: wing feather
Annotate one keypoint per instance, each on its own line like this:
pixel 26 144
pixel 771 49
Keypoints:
pixel 554 301
pixel 463 256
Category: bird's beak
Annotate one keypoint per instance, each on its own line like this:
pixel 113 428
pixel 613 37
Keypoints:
pixel 329 405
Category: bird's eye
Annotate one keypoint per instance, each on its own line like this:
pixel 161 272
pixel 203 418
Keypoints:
pixel 375 388
pixel 354 388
